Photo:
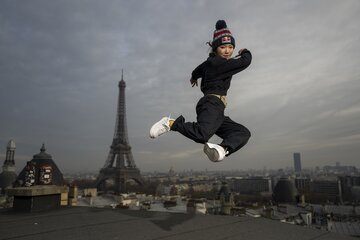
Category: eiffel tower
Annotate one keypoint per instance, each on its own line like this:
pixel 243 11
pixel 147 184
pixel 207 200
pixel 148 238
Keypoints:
pixel 120 165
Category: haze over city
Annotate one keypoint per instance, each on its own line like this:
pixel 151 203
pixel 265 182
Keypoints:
pixel 61 61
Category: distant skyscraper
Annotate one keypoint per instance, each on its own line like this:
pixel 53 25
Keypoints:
pixel 297 162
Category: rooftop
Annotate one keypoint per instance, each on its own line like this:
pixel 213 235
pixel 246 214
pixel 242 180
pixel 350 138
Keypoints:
pixel 105 223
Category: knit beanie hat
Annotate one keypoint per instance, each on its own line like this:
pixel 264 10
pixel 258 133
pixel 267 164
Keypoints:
pixel 222 35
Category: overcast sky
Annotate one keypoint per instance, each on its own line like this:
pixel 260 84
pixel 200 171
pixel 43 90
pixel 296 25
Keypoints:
pixel 60 63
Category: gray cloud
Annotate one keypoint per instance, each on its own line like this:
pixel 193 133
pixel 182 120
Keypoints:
pixel 60 63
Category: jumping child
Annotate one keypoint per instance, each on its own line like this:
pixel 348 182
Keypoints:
pixel 215 73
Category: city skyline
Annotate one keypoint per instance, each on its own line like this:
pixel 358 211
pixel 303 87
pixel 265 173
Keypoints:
pixel 60 64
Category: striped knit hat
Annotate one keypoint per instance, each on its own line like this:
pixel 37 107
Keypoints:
pixel 222 35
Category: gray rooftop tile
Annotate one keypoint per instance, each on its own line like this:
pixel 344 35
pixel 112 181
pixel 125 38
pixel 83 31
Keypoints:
pixel 95 223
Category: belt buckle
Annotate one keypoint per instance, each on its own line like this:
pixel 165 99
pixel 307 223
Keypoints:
pixel 223 99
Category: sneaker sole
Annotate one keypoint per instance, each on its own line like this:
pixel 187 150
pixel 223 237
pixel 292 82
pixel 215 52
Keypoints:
pixel 212 154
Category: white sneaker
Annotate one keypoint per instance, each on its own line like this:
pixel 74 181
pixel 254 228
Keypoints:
pixel 215 152
pixel 160 127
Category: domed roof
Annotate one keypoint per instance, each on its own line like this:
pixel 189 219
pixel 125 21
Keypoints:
pixel 42 154
pixel 40 160
pixel 7 178
pixel 11 144
pixel 285 191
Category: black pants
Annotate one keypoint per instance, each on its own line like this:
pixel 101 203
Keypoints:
pixel 210 121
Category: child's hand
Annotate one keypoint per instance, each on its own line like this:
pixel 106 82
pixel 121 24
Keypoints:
pixel 241 51
pixel 193 82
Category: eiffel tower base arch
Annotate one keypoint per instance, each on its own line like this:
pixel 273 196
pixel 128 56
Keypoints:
pixel 119 176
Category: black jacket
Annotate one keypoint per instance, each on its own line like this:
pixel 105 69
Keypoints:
pixel 216 72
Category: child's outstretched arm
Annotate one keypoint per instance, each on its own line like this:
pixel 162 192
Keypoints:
pixel 235 65
pixel 197 73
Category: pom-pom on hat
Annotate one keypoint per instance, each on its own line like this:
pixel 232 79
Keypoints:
pixel 222 35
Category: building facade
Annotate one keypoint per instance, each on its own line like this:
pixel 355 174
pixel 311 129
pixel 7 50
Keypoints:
pixel 324 190
pixel 252 185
